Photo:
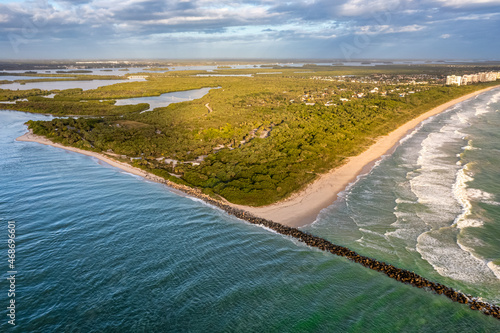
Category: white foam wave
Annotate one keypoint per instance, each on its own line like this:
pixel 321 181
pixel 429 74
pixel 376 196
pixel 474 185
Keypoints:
pixel 426 121
pixel 495 98
pixel 482 196
pixel 360 240
pixel 268 229
pixel 442 188
pixel 463 118
pixel 404 234
pixel 460 193
pixel 433 180
pixel 131 174
pixel 466 195
pixel 495 269
pixel 478 195
pixel 470 146
pixel 203 202
pixel 469 223
pixel 374 245
pixel 448 259
pixel 402 201
pixel 408 226
pixel 371 232
pixel 482 110
pixel 415 131
pixel 344 195
pixel 197 200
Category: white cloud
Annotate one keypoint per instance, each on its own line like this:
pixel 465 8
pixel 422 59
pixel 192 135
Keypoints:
pixel 472 17
pixel 467 3
pixel 4 18
pixel 250 21
pixel 363 7
pixel 386 29
pixel 469 17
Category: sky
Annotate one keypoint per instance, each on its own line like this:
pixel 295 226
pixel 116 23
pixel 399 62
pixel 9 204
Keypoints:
pixel 269 29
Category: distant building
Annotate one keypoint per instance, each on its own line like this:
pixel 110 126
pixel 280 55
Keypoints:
pixel 491 76
pixel 453 79
pixel 466 79
pixel 135 77
pixel 472 78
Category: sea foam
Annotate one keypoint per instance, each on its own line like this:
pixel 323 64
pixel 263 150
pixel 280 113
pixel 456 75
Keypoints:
pixel 449 259
pixel 461 195
pixel 495 269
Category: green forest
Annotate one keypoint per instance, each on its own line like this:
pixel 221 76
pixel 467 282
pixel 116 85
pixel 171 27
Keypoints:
pixel 251 140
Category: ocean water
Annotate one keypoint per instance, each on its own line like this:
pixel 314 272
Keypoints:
pixel 433 206
pixel 101 250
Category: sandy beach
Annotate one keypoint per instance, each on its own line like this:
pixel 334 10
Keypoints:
pixel 111 161
pixel 303 207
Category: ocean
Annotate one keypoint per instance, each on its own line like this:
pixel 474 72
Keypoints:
pixel 101 250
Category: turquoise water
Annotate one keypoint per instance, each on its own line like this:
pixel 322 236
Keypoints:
pixel 99 249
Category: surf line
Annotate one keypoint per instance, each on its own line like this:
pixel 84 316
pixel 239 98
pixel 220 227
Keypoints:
pixel 395 273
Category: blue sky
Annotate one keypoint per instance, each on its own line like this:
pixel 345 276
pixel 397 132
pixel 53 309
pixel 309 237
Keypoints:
pixel 343 29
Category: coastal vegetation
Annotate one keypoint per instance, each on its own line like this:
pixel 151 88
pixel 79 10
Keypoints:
pixel 253 141
pixel 62 76
pixel 12 95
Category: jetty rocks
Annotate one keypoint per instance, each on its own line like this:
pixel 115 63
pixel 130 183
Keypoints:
pixel 395 273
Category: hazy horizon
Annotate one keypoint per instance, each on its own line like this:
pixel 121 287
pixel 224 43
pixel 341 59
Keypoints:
pixel 250 60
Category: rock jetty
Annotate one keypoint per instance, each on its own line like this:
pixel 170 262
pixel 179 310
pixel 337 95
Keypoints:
pixel 395 273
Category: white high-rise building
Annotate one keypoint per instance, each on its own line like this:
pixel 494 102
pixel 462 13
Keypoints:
pixel 453 79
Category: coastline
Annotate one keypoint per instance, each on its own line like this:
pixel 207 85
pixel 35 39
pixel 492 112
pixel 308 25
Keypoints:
pixel 30 137
pixel 303 207
pixel 393 272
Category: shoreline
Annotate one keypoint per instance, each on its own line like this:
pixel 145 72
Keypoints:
pixel 395 273
pixel 30 137
pixel 303 207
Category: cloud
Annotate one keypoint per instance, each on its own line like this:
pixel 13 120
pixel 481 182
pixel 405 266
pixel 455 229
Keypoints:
pixel 386 29
pixel 445 36
pixel 364 7
pixel 316 25
pixel 468 3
